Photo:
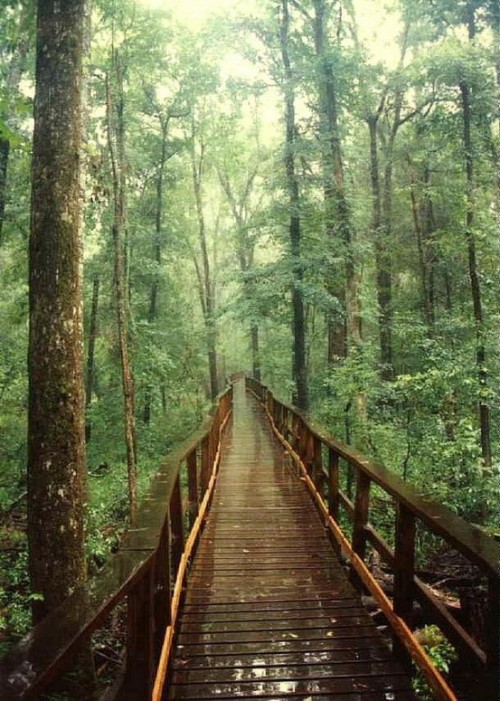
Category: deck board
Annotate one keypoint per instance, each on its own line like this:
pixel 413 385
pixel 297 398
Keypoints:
pixel 269 611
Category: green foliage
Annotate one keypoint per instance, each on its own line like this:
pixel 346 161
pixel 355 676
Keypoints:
pixel 106 512
pixel 13 381
pixel 15 596
pixel 441 653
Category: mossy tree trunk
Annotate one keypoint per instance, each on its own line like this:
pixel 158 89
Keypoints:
pixel 56 423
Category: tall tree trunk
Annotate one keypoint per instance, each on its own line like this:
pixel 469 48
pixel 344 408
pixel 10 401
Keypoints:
pixel 382 253
pixel 384 265
pixel 330 150
pixel 428 231
pixel 157 247
pixel 204 275
pixel 245 248
pixel 483 406
pixel 337 207
pixel 4 163
pixel 426 275
pixel 90 374
pixel 116 144
pixel 338 213
pixel 56 424
pixel 382 219
pixel 301 397
pixel 496 48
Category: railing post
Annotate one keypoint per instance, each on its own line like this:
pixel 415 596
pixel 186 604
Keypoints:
pixel 270 404
pixel 333 484
pixel 404 556
pixel 217 426
pixel 287 431
pixel 284 423
pixel 318 476
pixel 279 419
pixel 305 442
pixel 140 664
pixel 205 464
pixel 301 448
pixel 333 492
pixel 226 403
pixel 493 637
pixel 162 593
pixel 305 445
pixel 210 461
pixel 192 469
pixel 213 435
pixel 404 570
pixel 176 525
pixel 361 510
pixel 295 433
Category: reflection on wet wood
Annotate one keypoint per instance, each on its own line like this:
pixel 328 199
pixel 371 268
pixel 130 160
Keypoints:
pixel 269 611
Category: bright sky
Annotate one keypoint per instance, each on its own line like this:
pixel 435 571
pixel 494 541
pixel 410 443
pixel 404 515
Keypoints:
pixel 194 12
pixel 378 28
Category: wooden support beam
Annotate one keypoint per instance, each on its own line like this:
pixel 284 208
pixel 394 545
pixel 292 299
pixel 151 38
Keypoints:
pixel 404 573
pixel 361 512
pixel 176 526
pixel 140 662
pixel 193 494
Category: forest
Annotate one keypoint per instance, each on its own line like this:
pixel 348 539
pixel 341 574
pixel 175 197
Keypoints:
pixel 305 190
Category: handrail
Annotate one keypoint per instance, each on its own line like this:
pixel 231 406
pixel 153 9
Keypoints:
pixel 142 572
pixel 319 454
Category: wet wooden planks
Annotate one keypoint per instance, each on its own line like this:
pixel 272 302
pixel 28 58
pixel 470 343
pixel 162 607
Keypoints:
pixel 269 612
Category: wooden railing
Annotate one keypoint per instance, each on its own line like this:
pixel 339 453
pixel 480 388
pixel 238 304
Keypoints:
pixel 143 573
pixel 324 461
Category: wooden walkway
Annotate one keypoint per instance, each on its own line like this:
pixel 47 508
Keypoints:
pixel 269 612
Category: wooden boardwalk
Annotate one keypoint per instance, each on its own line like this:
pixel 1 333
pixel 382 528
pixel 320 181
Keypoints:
pixel 269 611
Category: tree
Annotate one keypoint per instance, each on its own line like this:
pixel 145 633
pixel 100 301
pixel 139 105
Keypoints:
pixel 339 220
pixel 56 428
pixel 115 106
pixel 460 66
pixel 336 211
pixel 238 170
pixel 164 116
pixel 90 369
pixel 301 397
pixel 475 284
pixel 205 277
pixel 382 207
